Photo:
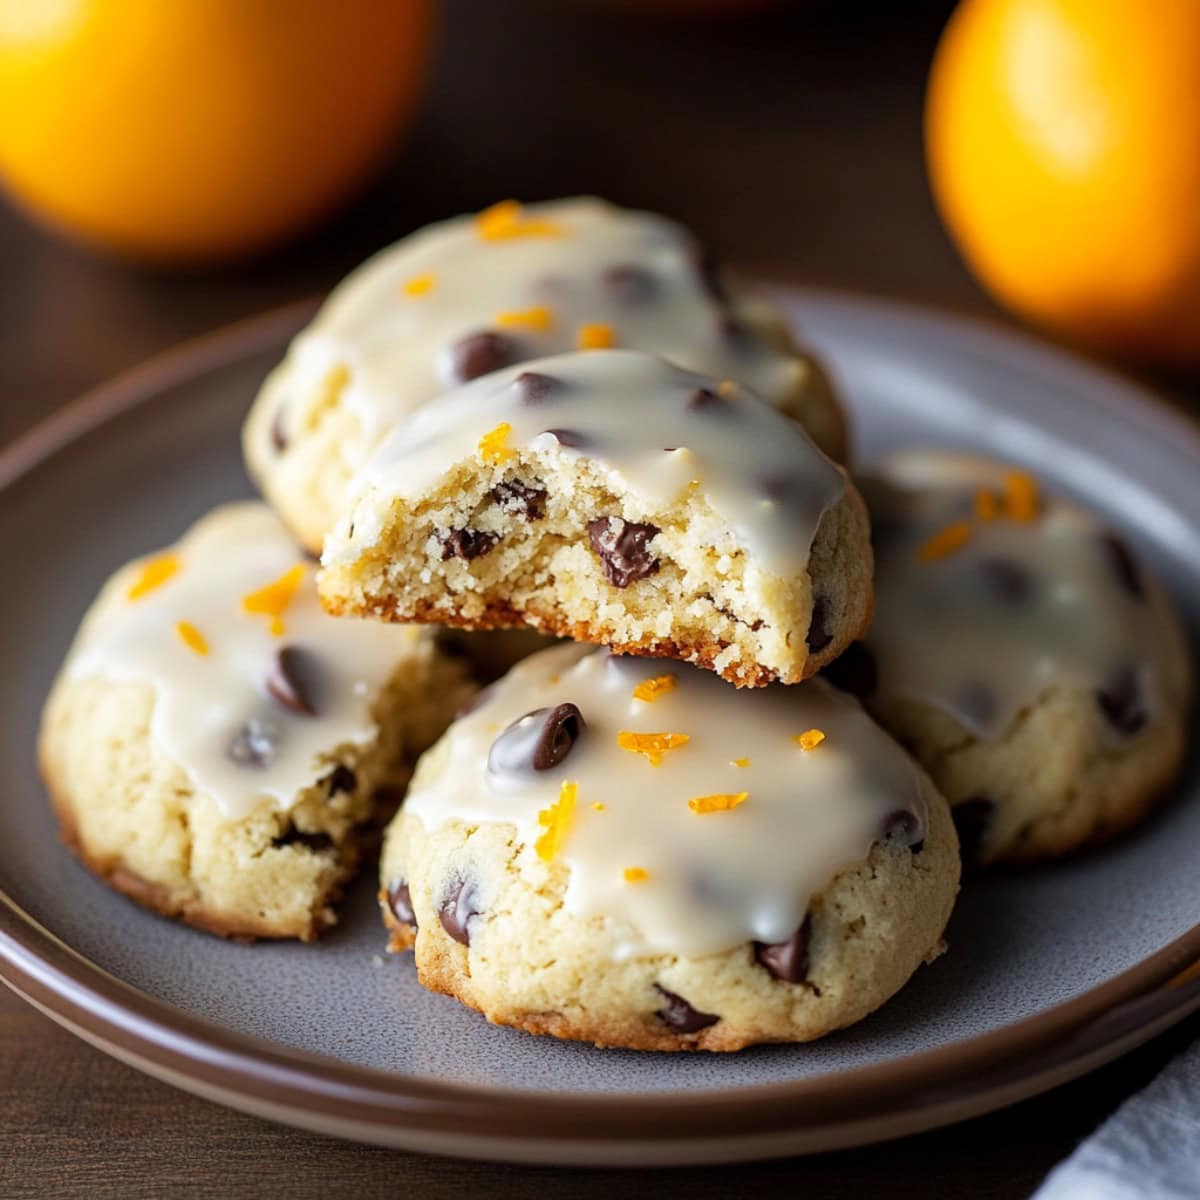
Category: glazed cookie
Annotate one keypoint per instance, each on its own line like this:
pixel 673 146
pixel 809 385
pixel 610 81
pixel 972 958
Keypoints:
pixel 219 749
pixel 1021 653
pixel 475 294
pixel 603 853
pixel 617 499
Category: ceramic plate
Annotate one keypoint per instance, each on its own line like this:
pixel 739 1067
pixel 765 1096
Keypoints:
pixel 1049 973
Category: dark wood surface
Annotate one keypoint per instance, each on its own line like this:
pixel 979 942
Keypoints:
pixel 792 144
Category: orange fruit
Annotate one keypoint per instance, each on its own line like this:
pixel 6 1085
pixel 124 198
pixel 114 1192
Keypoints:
pixel 194 130
pixel 1063 144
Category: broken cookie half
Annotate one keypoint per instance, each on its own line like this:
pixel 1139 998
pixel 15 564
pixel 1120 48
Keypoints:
pixel 614 498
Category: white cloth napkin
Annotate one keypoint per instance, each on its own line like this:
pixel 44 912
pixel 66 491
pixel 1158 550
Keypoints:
pixel 1149 1149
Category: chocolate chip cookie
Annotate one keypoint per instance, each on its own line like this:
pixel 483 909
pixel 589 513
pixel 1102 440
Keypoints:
pixel 219 749
pixel 636 854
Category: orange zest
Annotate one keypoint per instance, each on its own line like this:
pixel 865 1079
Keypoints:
pixel 192 638
pixel 1020 496
pixel 595 336
pixel 598 806
pixel 652 745
pixel 741 762
pixel 419 285
pixel 556 820
pixel 987 507
pixel 810 739
pixel 945 542
pixel 494 447
pixel 154 573
pixel 635 874
pixel 538 318
pixel 273 600
pixel 649 690
pixel 718 802
pixel 508 220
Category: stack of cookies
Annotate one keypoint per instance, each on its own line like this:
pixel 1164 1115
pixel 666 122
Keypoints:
pixel 668 831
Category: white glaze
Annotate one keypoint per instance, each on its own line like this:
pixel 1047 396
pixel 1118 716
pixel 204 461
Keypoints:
pixel 942 632
pixel 201 701
pixel 395 346
pixel 632 410
pixel 807 814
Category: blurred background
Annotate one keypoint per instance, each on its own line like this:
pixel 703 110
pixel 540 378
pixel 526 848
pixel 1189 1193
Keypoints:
pixel 172 166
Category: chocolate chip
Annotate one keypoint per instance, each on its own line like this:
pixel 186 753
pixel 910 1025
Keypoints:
pixel 629 284
pixel 520 500
pixel 704 400
pixel 539 740
pixel 466 543
pixel 341 779
pixel 570 438
pixel 819 635
pixel 854 671
pixel 279 436
pixel 971 819
pixel 458 908
pixel 400 902
pixel 1121 701
pixel 787 960
pixel 318 843
pixel 254 744
pixel 621 547
pixel 295 679
pixel 977 704
pixel 1124 566
pixel 679 1016
pixel 904 827
pixel 480 353
pixel 533 387
pixel 1008 581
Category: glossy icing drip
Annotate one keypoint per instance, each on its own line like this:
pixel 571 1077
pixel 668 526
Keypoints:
pixel 775 825
pixel 980 607
pixel 255 686
pixel 660 432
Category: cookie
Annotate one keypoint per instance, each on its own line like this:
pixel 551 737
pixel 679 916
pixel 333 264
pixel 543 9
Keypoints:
pixel 474 294
pixel 603 852
pixel 617 499
pixel 219 749
pixel 1032 666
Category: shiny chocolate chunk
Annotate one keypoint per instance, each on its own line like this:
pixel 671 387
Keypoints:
pixel 571 438
pixel 341 779
pixel 466 543
pixel 537 741
pixel 533 387
pixel 518 499
pixel 971 819
pixel 1121 701
pixel 294 680
pixel 904 827
pixel 622 547
pixel 704 399
pixel 1007 581
pixel 400 902
pixel 254 744
pixel 854 671
pixel 679 1016
pixel 481 353
pixel 457 909
pixel 819 634
pixel 318 843
pixel 1124 566
pixel 787 960
pixel 628 283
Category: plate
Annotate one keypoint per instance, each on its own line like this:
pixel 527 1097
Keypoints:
pixel 1050 973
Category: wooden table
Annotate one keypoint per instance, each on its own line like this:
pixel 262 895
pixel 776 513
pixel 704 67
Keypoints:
pixel 792 144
